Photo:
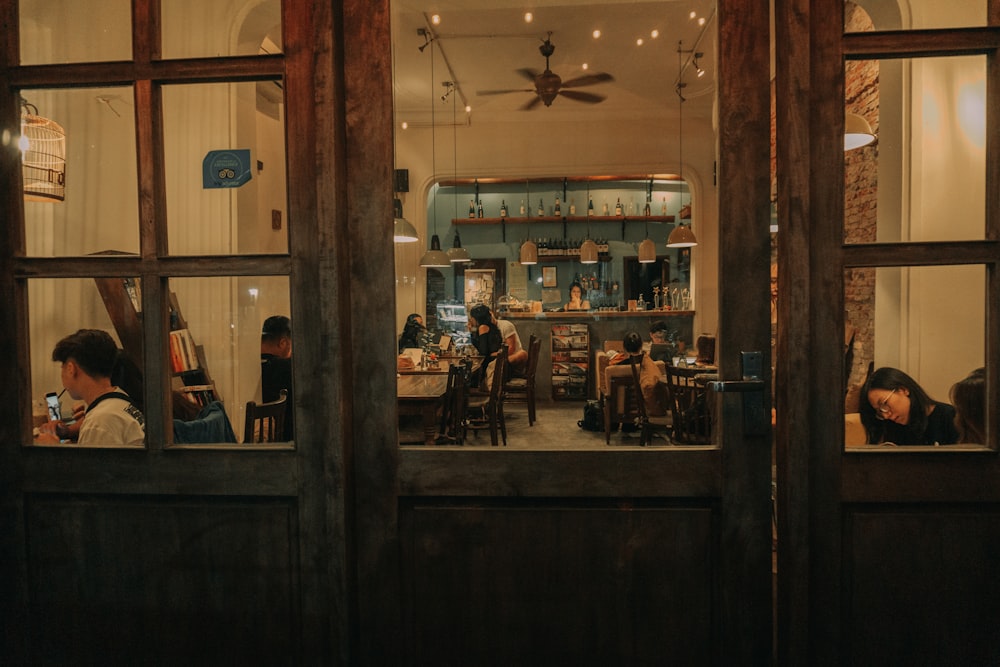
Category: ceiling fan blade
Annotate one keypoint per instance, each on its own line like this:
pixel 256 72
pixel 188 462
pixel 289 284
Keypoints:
pixel 588 80
pixel 580 96
pixel 501 92
pixel 528 73
pixel 535 101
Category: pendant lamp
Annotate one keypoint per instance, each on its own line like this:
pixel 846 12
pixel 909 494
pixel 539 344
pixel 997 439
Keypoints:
pixel 647 251
pixel 681 236
pixel 434 258
pixel 43 156
pixel 457 254
pixel 529 252
pixel 588 251
pixel 857 132
pixel 402 230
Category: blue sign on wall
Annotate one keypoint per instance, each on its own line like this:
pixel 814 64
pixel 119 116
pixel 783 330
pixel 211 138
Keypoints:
pixel 225 169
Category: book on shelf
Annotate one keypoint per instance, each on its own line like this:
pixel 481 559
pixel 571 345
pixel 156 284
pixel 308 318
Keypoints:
pixel 183 356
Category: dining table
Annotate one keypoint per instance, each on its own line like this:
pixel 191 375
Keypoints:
pixel 422 394
pixel 442 366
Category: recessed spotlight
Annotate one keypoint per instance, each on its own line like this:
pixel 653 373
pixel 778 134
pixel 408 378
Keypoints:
pixel 597 34
pixel 468 108
pixel 638 42
pixel 692 14
pixel 654 34
pixel 404 125
pixel 436 19
pixel 585 66
pixel 701 21
pixel 528 18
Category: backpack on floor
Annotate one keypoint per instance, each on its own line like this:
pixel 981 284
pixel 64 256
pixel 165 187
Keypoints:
pixel 593 417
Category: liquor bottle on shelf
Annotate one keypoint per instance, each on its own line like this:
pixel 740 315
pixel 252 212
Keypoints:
pixel 503 208
pixel 647 212
pixel 557 210
pixel 604 208
pixel 523 210
pixel 590 207
pixel 618 206
pixel 472 208
pixel 631 208
pixel 541 208
pixel 479 211
pixel 663 207
pixel 572 207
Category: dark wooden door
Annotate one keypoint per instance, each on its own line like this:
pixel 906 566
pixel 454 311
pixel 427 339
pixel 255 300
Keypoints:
pixel 610 556
pixel 885 553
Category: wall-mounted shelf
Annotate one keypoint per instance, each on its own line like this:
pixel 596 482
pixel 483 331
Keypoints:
pixel 565 219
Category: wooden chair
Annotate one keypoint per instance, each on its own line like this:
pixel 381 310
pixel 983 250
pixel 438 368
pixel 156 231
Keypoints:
pixel 647 424
pixel 486 410
pixel 265 422
pixel 692 422
pixel 619 404
pixel 455 406
pixel 523 388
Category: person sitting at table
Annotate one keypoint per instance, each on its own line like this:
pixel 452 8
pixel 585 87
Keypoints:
pixel 968 395
pixel 487 339
pixel 276 366
pixel 576 300
pixel 412 332
pixel 896 410
pixel 649 373
pixel 88 360
pixel 517 356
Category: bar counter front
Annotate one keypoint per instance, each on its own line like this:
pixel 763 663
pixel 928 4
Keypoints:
pixel 571 340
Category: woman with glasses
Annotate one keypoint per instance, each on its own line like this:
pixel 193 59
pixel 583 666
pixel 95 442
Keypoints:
pixel 895 409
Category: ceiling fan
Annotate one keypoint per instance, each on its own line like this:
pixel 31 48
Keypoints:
pixel 548 84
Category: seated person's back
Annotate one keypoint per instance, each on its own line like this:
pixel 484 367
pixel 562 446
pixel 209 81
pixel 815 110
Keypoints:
pixel 276 366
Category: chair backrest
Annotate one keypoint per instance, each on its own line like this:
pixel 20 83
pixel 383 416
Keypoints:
pixel 265 422
pixel 499 373
pixel 454 408
pixel 621 399
pixel 692 423
pixel 640 400
pixel 534 351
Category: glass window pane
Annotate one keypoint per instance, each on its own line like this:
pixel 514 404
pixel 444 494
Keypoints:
pixel 216 352
pixel 59 308
pixel 100 211
pixel 51 30
pixel 927 321
pixel 196 29
pixel 866 15
pixel 924 178
pixel 224 148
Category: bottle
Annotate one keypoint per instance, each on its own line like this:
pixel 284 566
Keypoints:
pixel 641 304
pixel 522 208
pixel 604 208
pixel 541 208
pixel 472 208
pixel 572 207
pixel 618 206
pixel 663 207
pixel 557 210
pixel 631 208
pixel 503 208
pixel 647 211
pixel 479 211
pixel 590 207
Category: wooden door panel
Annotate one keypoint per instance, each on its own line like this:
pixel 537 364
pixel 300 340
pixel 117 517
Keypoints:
pixel 542 581
pixel 189 580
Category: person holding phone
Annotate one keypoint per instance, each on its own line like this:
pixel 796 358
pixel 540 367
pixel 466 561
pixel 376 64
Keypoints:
pixel 88 360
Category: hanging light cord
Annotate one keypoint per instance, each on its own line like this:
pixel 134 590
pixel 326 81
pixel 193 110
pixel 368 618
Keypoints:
pixel 433 138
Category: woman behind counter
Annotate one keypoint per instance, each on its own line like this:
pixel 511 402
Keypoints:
pixel 576 300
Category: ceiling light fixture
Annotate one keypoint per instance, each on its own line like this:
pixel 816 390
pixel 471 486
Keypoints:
pixel 681 236
pixel 434 257
pixel 647 249
pixel 857 132
pixel 697 66
pixel 457 254
pixel 588 249
pixel 43 156
pixel 402 230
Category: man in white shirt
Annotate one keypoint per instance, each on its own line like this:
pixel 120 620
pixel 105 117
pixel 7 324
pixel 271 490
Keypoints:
pixel 88 360
pixel 517 356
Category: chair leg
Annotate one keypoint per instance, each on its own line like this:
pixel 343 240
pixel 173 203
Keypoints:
pixel 530 397
pixel 502 421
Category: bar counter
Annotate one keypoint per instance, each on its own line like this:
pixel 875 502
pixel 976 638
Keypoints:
pixel 602 326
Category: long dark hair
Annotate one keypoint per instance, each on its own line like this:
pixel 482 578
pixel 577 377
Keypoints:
pixel 968 395
pixel 889 379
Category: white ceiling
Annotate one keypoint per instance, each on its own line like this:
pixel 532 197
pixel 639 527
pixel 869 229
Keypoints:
pixel 480 45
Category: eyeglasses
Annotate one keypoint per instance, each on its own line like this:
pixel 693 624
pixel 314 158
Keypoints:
pixel 882 409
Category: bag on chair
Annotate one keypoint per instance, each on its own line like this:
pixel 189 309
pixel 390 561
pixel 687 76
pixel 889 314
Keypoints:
pixel 593 417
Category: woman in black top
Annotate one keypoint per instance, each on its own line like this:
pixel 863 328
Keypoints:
pixel 895 409
pixel 413 330
pixel 486 337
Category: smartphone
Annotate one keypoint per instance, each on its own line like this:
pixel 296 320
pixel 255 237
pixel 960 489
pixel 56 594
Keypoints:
pixel 52 400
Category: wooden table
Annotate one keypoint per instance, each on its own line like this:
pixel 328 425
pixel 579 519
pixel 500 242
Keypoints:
pixel 422 394
pixel 442 367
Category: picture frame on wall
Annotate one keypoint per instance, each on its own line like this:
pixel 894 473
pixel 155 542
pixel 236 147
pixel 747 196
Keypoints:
pixel 549 276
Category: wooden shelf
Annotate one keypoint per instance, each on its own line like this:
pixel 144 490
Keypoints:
pixel 557 219
pixel 544 259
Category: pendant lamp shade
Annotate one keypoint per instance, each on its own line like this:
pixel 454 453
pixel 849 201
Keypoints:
pixel 647 252
pixel 682 237
pixel 457 253
pixel 857 132
pixel 529 252
pixel 588 252
pixel 435 258
pixel 402 230
pixel 43 156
